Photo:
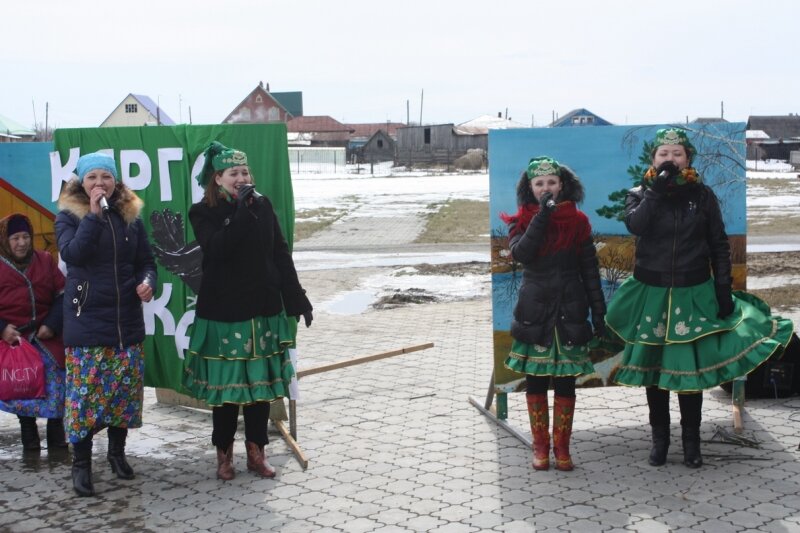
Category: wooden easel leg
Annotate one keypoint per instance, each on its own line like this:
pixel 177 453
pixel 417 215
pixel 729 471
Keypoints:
pixel 738 403
pixel 502 413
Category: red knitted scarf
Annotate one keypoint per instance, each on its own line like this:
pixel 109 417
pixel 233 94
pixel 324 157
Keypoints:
pixel 567 227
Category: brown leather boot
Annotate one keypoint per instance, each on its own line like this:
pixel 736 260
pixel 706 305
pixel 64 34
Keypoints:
pixel 257 460
pixel 563 412
pixel 540 429
pixel 225 469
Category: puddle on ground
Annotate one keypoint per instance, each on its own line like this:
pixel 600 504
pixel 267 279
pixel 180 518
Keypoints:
pixel 350 303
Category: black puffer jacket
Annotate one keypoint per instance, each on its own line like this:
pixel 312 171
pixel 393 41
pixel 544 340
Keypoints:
pixel 678 237
pixel 557 289
pixel 107 257
pixel 247 267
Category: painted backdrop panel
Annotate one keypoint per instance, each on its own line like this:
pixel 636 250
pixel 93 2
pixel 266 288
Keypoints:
pixel 609 160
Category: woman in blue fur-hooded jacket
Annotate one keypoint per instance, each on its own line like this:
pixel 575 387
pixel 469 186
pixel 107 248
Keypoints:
pixel 110 272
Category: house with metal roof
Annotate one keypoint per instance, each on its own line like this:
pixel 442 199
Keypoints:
pixel 12 131
pixel 137 110
pixel 579 117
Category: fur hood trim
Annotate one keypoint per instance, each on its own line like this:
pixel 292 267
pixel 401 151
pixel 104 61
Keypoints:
pixel 74 199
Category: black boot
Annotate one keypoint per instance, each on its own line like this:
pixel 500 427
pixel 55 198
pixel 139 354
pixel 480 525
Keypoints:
pixel 55 433
pixel 658 453
pixel 691 409
pixel 82 467
pixel 658 403
pixel 691 446
pixel 116 453
pixel 29 433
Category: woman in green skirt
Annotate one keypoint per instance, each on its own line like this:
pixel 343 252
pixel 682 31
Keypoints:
pixel 684 329
pixel 552 239
pixel 238 348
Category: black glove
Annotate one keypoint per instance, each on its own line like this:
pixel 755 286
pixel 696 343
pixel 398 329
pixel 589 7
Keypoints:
pixel 725 300
pixel 244 194
pixel 307 317
pixel 599 325
pixel 665 176
pixel 546 205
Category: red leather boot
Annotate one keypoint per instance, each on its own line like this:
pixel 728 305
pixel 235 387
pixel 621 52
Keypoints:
pixel 540 429
pixel 563 412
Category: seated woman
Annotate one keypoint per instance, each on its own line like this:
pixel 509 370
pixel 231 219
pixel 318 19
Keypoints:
pixel 32 289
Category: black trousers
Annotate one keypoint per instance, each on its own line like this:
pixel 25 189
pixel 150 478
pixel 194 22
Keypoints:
pixel 691 405
pixel 562 386
pixel 226 417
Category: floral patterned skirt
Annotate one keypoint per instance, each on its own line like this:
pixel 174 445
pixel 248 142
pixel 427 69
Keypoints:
pixel 674 340
pixel 105 387
pixel 239 362
pixel 52 405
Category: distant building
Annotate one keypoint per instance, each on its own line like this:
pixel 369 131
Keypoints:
pixel 708 120
pixel 318 131
pixel 778 137
pixel 372 142
pixel 579 117
pixel 12 131
pixel 137 110
pixel 262 106
pixel 444 143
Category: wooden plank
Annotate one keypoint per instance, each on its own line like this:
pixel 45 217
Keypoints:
pixel 298 453
pixel 360 360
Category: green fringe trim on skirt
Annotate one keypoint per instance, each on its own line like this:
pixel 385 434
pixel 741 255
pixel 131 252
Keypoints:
pixel 556 360
pixel 239 362
pixel 684 347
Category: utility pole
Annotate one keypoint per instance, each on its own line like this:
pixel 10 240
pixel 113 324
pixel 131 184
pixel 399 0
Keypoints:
pixel 421 99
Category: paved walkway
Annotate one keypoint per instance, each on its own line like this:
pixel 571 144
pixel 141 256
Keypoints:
pixel 394 445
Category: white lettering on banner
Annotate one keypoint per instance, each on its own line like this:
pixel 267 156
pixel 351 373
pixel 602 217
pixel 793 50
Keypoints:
pixel 20 374
pixel 165 155
pixel 181 339
pixel 197 191
pixel 128 158
pixel 59 173
pixel 157 307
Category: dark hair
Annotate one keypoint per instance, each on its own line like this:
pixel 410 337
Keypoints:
pixel 571 188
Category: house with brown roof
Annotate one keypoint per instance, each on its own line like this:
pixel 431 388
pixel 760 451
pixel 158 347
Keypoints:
pixel 319 130
pixel 373 142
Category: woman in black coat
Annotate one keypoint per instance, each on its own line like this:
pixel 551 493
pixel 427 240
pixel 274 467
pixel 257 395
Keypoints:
pixel 551 327
pixel 238 349
pixel 684 329
pixel 110 272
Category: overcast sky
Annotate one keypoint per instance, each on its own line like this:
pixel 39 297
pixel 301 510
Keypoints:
pixel 631 62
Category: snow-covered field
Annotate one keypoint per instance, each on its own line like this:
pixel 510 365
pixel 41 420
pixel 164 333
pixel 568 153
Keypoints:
pixel 397 192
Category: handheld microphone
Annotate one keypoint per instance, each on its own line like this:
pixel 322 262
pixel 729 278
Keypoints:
pixel 103 204
pixel 664 174
pixel 257 195
pixel 551 203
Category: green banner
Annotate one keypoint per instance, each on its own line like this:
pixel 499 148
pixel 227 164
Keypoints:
pixel 159 163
